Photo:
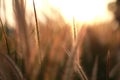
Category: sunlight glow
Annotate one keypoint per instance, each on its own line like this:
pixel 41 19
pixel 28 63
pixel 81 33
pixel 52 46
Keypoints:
pixel 81 10
pixel 6 13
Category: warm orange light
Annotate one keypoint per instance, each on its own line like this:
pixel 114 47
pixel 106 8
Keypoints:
pixel 82 10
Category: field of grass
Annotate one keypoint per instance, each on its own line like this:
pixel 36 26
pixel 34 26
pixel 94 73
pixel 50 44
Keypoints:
pixel 57 50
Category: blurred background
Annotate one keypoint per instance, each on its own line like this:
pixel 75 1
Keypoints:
pixel 59 40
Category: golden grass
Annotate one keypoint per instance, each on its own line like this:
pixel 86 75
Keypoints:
pixel 49 51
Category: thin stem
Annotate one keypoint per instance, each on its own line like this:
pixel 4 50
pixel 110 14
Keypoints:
pixel 69 67
pixel 37 27
pixel 108 65
pixel 38 57
pixel 5 37
pixel 74 28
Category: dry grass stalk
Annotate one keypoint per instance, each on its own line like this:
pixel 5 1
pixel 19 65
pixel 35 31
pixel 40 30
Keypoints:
pixel 23 44
pixel 95 68
pixel 108 65
pixel 69 67
pixel 5 38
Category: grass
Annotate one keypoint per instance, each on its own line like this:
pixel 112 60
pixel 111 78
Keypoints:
pixel 52 51
pixel 5 37
pixel 55 36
